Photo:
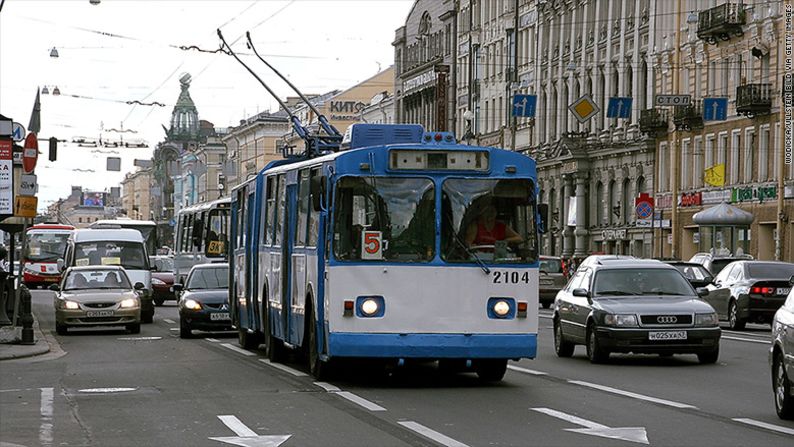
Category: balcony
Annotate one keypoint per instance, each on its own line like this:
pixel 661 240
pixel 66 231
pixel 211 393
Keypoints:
pixel 653 121
pixel 688 117
pixel 754 99
pixel 721 22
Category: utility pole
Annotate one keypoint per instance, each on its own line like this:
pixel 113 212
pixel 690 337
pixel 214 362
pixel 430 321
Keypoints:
pixel 674 142
pixel 513 83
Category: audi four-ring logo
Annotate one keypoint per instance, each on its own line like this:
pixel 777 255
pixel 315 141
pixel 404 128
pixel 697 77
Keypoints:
pixel 667 319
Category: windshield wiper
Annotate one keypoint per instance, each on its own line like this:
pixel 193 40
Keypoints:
pixel 468 251
pixel 615 292
pixel 662 293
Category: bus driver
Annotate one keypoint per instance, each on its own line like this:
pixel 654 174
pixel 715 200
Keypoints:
pixel 486 230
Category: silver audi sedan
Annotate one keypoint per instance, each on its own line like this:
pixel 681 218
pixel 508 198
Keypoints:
pixel 781 358
pixel 97 296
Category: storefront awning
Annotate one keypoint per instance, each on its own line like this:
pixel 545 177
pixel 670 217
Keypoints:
pixel 723 214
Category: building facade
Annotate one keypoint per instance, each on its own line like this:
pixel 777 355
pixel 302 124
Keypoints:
pixel 136 195
pixel 253 144
pixel 730 50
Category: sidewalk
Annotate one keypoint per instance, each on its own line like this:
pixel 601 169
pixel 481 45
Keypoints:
pixel 10 347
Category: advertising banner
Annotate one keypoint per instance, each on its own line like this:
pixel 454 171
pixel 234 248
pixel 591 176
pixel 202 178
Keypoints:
pixel 6 177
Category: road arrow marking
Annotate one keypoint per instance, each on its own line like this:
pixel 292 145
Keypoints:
pixel 247 437
pixel 630 434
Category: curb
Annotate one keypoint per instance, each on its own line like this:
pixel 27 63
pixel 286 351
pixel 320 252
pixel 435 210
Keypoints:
pixel 17 351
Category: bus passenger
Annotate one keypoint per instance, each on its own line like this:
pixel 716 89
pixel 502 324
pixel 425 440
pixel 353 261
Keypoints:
pixel 487 230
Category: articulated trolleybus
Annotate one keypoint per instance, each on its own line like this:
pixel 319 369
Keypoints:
pixel 382 251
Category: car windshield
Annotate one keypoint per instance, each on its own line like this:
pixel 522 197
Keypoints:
pixel 782 271
pixel 43 247
pixel 163 264
pixel 640 281
pixel 129 255
pixel 488 220
pixel 384 219
pixel 693 272
pixel 550 265
pixel 97 279
pixel 718 264
pixel 208 278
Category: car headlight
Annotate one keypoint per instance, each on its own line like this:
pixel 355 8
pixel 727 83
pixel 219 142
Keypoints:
pixel 129 302
pixel 71 305
pixel 157 282
pixel 501 308
pixel 621 320
pixel 709 319
pixel 369 307
pixel 192 305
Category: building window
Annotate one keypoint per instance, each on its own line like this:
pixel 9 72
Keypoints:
pixel 733 164
pixel 709 152
pixel 612 201
pixel 697 163
pixel 749 155
pixel 599 203
pixel 626 204
pixel 763 155
pixel 722 148
pixel 686 155
pixel 664 178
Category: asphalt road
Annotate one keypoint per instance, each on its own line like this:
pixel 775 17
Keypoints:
pixel 109 388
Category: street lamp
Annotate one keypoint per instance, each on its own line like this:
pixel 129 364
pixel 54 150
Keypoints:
pixel 54 52
pixel 55 90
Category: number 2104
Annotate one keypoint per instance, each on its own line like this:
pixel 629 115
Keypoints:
pixel 510 277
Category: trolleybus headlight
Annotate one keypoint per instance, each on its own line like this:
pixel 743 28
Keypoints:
pixel 501 308
pixel 192 305
pixel 369 307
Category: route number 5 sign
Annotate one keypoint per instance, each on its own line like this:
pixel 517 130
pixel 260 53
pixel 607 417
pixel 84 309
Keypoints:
pixel 371 245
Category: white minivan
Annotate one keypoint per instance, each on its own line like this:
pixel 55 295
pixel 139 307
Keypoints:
pixel 122 247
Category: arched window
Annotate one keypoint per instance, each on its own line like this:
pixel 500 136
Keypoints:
pixel 552 116
pixel 641 185
pixel 626 204
pixel 642 94
pixel 612 201
pixel 599 201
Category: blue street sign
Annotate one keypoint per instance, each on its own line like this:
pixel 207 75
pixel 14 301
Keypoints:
pixel 715 109
pixel 619 107
pixel 524 105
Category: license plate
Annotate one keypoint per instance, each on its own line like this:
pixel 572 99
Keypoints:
pixel 667 335
pixel 99 313
pixel 220 316
pixel 783 290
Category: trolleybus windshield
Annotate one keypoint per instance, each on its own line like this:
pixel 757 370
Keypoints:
pixel 45 247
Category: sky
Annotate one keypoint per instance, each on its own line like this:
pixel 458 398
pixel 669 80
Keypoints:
pixel 127 50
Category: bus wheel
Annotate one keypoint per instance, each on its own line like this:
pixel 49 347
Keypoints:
pixel 491 370
pixel 318 367
pixel 247 340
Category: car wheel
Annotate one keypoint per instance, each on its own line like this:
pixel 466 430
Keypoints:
pixel 735 323
pixel 491 370
pixel 159 301
pixel 562 347
pixel 709 357
pixel 184 329
pixel 595 352
pixel 784 403
pixel 319 368
pixel 134 328
pixel 61 329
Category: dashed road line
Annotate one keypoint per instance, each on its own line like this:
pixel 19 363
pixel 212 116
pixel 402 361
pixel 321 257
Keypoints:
pixel 526 371
pixel 169 321
pixel 284 368
pixel 432 434
pixel 45 430
pixel 656 400
pixel 212 340
pixel 750 340
pixel 356 399
pixel 776 428
pixel 236 349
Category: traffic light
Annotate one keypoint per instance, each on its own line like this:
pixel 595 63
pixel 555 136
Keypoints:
pixel 53 148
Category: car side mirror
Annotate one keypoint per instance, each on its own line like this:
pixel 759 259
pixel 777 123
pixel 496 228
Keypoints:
pixel 60 264
pixel 139 286
pixel 154 268
pixel 581 293
pixel 702 291
pixel 791 280
pixel 709 279
pixel 177 288
pixel 55 287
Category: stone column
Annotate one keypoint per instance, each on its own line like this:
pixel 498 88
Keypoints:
pixel 634 128
pixel 581 248
pixel 567 232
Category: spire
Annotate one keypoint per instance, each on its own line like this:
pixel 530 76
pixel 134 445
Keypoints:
pixel 184 118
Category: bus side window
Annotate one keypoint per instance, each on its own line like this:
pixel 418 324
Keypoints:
pixel 282 203
pixel 304 204
pixel 270 220
pixel 314 217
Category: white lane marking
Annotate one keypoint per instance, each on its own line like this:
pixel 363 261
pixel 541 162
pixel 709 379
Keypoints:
pixel 669 403
pixel 631 434
pixel 106 390
pixel 212 340
pixel 548 317
pixel 173 329
pixel 432 434
pixel 284 368
pixel 236 349
pixel 237 426
pixel 371 406
pixel 15 389
pixel 327 387
pixel 45 430
pixel 140 338
pixel 526 371
pixel 777 428
pixel 751 340
pixel 169 321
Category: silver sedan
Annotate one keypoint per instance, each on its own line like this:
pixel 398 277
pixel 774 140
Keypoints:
pixel 97 296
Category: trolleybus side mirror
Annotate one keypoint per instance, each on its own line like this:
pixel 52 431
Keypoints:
pixel 543 212
pixel 59 262
pixel 318 192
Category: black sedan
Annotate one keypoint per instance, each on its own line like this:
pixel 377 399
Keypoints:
pixel 750 291
pixel 695 273
pixel 643 307
pixel 204 300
